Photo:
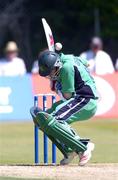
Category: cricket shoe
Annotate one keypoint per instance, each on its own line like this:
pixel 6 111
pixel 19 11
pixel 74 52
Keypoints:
pixel 67 160
pixel 86 155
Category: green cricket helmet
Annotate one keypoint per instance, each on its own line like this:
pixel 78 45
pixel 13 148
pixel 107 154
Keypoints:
pixel 47 61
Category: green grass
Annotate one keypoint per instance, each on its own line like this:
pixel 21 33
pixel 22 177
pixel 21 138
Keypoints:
pixel 9 178
pixel 15 178
pixel 17 141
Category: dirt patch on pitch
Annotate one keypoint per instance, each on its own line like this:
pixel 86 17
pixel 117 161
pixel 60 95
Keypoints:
pixel 89 172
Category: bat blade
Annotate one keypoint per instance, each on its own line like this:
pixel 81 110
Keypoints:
pixel 49 35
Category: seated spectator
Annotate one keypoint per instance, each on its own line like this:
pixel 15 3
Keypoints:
pixel 11 64
pixel 99 61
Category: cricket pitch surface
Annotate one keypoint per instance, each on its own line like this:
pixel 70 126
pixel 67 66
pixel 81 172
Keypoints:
pixel 106 171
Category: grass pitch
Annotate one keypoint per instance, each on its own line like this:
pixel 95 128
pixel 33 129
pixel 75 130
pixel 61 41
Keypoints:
pixel 17 141
pixel 18 178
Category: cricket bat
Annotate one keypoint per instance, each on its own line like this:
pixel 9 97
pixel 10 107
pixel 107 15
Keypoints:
pixel 49 35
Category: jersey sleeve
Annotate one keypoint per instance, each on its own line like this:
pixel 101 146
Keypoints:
pixel 83 61
pixel 67 78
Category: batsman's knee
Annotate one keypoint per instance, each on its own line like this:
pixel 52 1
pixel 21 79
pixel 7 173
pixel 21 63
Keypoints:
pixel 34 111
pixel 44 120
pixel 40 118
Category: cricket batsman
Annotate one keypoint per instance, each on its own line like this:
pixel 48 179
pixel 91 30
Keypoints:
pixel 70 79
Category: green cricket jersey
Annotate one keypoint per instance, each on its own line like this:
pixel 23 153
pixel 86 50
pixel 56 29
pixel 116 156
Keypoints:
pixel 75 78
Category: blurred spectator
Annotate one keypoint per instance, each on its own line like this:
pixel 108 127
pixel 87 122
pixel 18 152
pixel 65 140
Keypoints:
pixel 116 65
pixel 11 64
pixel 99 61
pixel 35 67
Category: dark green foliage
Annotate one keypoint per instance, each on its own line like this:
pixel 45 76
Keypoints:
pixel 72 23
